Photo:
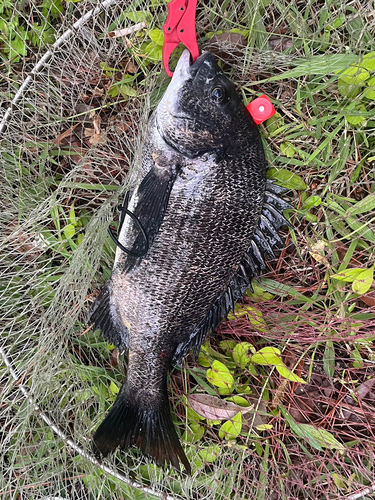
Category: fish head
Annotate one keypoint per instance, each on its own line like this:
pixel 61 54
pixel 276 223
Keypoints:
pixel 200 111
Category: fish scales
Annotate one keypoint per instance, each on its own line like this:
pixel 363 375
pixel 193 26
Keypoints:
pixel 200 197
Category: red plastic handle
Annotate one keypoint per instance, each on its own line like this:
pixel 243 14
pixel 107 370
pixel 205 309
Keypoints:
pixel 180 27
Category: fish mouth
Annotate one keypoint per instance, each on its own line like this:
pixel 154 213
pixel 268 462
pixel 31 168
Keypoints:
pixel 186 70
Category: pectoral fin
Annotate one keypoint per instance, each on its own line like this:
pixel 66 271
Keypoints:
pixel 152 201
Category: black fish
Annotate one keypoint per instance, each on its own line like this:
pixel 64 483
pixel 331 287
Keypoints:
pixel 209 217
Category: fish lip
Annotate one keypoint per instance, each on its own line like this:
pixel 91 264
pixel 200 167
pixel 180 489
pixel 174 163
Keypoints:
pixel 185 69
pixel 183 65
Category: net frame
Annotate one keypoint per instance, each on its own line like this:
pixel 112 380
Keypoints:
pixel 43 357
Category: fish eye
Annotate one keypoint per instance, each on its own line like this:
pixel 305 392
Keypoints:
pixel 218 94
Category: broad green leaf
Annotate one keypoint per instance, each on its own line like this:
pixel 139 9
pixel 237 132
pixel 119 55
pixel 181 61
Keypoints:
pixel 354 73
pixel 210 453
pixel 287 149
pixel 80 238
pixel 312 201
pixel 243 388
pixel 113 388
pixel 239 310
pixel 329 359
pixel 203 360
pixel 324 438
pixel 274 123
pixel 211 423
pixel 69 231
pixel 139 17
pixel 348 275
pixel 363 281
pixel 157 36
pixel 267 356
pixel 352 80
pixel 357 120
pixel 286 373
pixel 358 360
pixel 368 61
pixel 194 432
pixel 259 294
pixel 264 427
pixel 287 179
pixel 225 391
pixel 220 376
pixel 232 428
pixel 365 205
pixel 241 353
pixel 124 90
pixel 240 401
pixel 256 318
pixel 227 345
pixel 107 70
pixel 339 21
pixel 18 45
pixel 340 481
pixel 369 93
pixel 154 52
pixel 349 90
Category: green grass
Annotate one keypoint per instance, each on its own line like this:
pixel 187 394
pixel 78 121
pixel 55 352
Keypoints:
pixel 311 316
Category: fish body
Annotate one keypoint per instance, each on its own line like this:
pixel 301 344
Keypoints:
pixel 210 217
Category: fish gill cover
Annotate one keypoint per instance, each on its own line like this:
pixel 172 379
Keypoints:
pixel 247 422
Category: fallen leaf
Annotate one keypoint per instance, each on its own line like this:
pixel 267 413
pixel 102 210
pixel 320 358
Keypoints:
pixel 369 299
pixel 96 139
pixel 96 123
pixel 88 132
pixel 214 408
pixel 98 92
pixel 317 252
pixel 280 43
pixel 122 126
pixel 129 67
pixel 365 387
pixel 65 134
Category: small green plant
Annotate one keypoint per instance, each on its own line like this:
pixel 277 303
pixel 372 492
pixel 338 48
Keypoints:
pixel 17 35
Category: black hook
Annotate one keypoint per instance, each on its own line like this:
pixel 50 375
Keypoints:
pixel 141 228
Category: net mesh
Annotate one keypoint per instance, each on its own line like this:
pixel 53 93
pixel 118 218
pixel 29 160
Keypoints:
pixel 69 139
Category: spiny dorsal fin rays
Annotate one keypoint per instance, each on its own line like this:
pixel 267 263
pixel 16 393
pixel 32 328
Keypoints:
pixel 274 188
pixel 265 237
pixel 275 217
pixel 278 203
pixel 270 232
pixel 262 243
pixel 257 254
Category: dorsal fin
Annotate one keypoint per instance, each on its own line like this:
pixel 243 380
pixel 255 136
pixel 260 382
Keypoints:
pixel 265 237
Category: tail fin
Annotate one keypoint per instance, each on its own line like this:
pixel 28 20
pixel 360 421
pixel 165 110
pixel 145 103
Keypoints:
pixel 150 428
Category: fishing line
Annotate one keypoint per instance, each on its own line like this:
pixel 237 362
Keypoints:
pixel 141 228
